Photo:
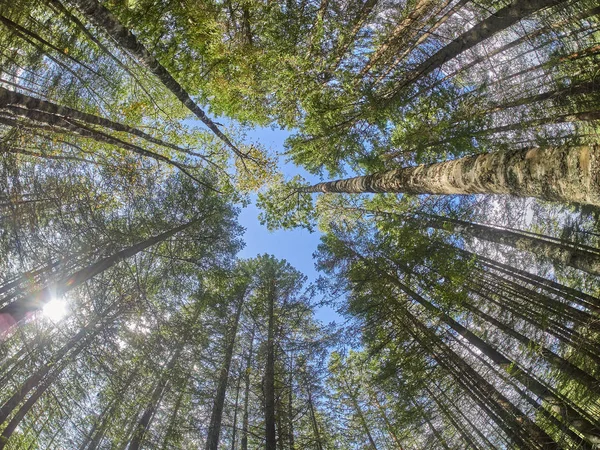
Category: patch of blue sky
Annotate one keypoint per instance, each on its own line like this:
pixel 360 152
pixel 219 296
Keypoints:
pixel 295 246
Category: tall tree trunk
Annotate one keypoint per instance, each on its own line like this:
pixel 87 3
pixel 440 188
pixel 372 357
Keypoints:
pixel 101 424
pixel 141 428
pixel 409 25
pixel 557 250
pixel 290 414
pixel 270 437
pixel 235 411
pixel 568 413
pixel 496 22
pixel 36 378
pixel 9 98
pixel 245 420
pixel 519 427
pixel 313 419
pixel 45 376
pixel 30 303
pixel 57 122
pixel 214 429
pixel 159 390
pixel 104 19
pixel 567 174
pixel 359 413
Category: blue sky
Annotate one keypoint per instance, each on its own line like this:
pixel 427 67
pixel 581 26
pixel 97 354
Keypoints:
pixel 295 246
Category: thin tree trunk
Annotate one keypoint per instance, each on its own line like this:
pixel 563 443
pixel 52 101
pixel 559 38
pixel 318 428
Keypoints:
pixel 235 412
pixel 36 378
pixel 8 98
pixel 350 38
pixel 57 123
pixel 101 423
pixel 270 437
pixel 410 24
pixel 45 376
pixel 569 415
pixel 313 419
pixel 562 252
pixel 104 19
pixel 290 415
pixel 498 21
pixel 18 309
pixel 567 174
pixel 214 429
pixel 245 420
pixel 359 413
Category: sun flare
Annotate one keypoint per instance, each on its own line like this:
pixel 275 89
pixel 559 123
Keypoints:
pixel 55 309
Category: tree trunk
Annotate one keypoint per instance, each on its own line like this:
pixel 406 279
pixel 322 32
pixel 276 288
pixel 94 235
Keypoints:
pixel 235 412
pixel 410 25
pixel 569 415
pixel 359 413
pixel 36 378
pixel 44 378
pixel 214 429
pixel 270 437
pixel 157 395
pixel 18 309
pixel 563 252
pixel 103 19
pixel 567 174
pixel 313 419
pixel 8 98
pixel 245 420
pixel 498 21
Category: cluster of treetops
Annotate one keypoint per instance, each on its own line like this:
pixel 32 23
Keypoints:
pixel 459 146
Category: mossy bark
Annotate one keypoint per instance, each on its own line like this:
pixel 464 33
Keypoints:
pixel 564 174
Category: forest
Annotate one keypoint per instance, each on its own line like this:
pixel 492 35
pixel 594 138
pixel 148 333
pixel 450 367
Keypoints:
pixel 446 153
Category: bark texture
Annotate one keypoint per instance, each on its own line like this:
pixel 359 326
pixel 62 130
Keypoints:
pixel 565 174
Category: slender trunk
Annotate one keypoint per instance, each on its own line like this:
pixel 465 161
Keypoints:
pixel 388 424
pixel 554 359
pixel 173 421
pixel 315 425
pixel 271 440
pixel 565 174
pixel 409 25
pixel 562 252
pixel 519 427
pixel 142 426
pixel 104 19
pixel 569 415
pixel 350 38
pixel 435 432
pixel 214 429
pixel 18 309
pixel 523 39
pixel 58 123
pixel 290 415
pixel 500 20
pixel 245 420
pixel 235 412
pixel 8 98
pixel 36 379
pixel 102 422
pixel 44 378
pixel 157 395
pixel 359 413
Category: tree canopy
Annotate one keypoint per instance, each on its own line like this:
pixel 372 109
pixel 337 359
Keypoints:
pixel 453 158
